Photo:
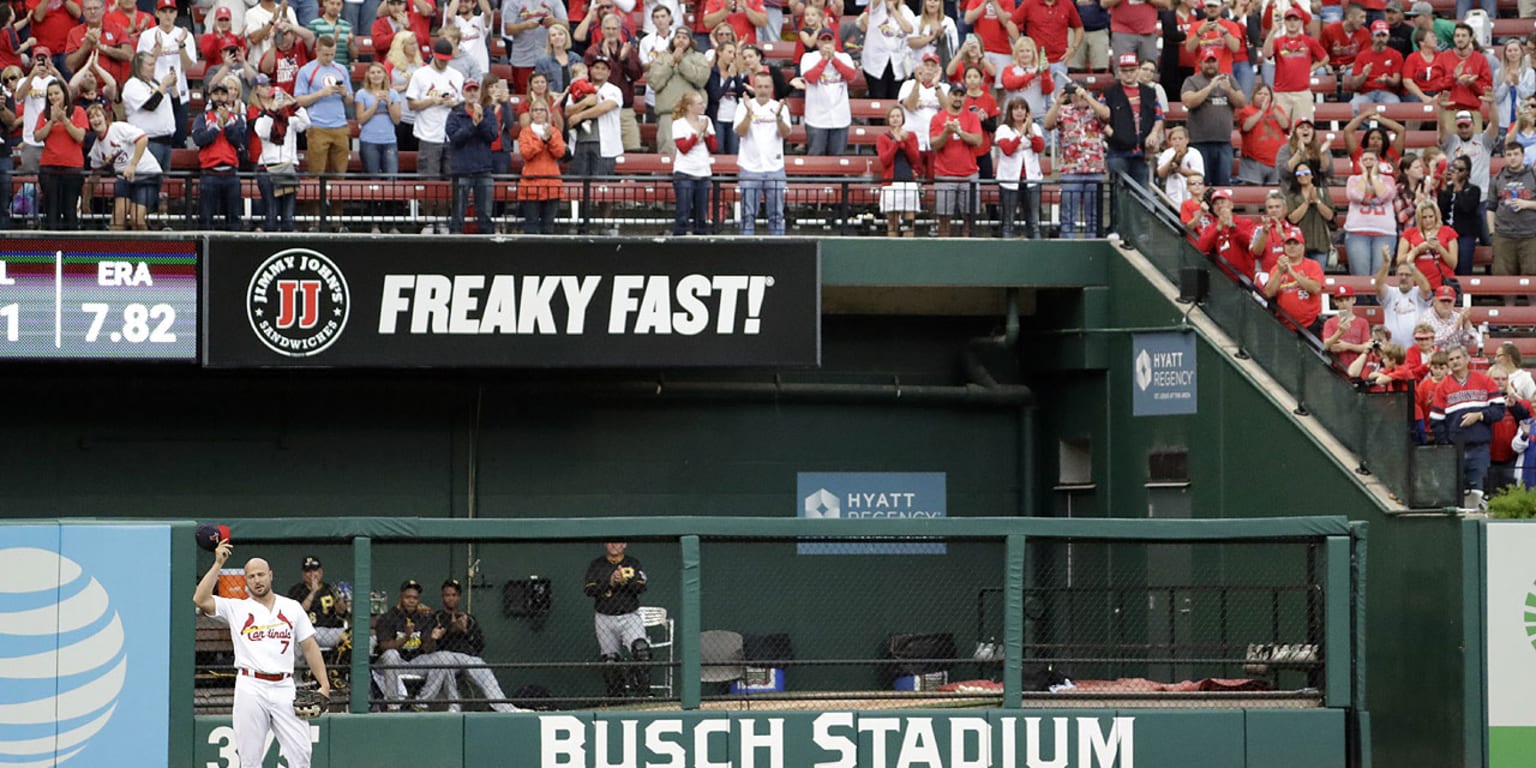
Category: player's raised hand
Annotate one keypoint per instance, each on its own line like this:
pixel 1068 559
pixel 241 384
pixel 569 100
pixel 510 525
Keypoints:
pixel 223 552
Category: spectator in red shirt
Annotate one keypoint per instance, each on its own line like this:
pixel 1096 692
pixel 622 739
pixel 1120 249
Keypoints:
pixel 283 61
pixel 1346 335
pixel 744 16
pixel 51 22
pixel 1057 30
pixel 396 15
pixel 220 135
pixel 1470 77
pixel 1295 55
pixel 954 136
pixel 211 45
pixel 127 16
pixel 1264 126
pixel 1423 77
pixel 1215 35
pixel 1226 240
pixel 989 19
pixel 96 34
pixel 1296 285
pixel 1377 77
pixel 1133 27
pixel 900 161
pixel 61 127
pixel 1345 39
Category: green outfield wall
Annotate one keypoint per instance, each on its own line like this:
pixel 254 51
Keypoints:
pixel 182 443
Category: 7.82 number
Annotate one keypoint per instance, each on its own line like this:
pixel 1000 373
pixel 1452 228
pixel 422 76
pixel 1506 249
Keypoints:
pixel 140 323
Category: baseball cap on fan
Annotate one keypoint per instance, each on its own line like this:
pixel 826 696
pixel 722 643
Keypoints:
pixel 1380 27
pixel 164 4
pixel 311 563
pixel 442 50
pixel 1421 8
pixel 209 536
pixel 1464 117
pixel 1129 61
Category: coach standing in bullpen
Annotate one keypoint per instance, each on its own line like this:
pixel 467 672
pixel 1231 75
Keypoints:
pixel 265 628
pixel 615 581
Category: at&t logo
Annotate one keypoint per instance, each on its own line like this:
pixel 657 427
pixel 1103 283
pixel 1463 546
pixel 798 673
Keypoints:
pixel 298 302
pixel 62 662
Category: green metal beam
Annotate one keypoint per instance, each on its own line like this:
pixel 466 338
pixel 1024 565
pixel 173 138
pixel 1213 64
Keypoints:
pixel 926 262
pixel 362 585
pixel 632 528
pixel 1337 635
pixel 688 626
pixel 1017 560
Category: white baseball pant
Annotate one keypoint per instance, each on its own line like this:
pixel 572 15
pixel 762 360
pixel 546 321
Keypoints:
pixel 264 704
pixel 617 634
pixel 483 679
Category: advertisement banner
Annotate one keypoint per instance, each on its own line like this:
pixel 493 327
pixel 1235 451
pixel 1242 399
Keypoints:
pixel 1511 642
pixel 85 299
pixel 1166 380
pixel 523 304
pixel 855 495
pixel 84 645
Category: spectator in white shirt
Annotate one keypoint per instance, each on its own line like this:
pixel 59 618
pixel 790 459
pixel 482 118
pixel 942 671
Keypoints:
pixel 762 123
pixel 693 133
pixel 473 31
pixel 124 149
pixel 31 94
pixel 147 105
pixel 1020 143
pixel 1177 163
pixel 887 25
pixel 599 145
pixel 278 123
pixel 920 98
pixel 827 73
pixel 432 94
pixel 174 49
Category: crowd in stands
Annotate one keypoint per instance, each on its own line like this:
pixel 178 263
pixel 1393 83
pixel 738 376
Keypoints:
pixel 1015 110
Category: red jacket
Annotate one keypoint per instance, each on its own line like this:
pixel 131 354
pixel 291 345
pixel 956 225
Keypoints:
pixel 887 147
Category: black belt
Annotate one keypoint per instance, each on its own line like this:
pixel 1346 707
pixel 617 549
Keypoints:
pixel 221 171
pixel 160 139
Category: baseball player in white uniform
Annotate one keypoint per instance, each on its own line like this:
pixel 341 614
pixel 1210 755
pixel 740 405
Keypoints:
pixel 265 628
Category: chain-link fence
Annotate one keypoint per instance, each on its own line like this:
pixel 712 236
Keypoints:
pixel 802 623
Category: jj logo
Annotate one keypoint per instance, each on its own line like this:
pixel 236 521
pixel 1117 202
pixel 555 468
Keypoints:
pixel 298 302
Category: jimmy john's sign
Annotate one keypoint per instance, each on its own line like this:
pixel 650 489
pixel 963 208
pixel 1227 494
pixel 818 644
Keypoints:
pixel 516 304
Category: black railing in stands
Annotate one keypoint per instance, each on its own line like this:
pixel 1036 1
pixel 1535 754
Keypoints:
pixel 627 204
pixel 1376 427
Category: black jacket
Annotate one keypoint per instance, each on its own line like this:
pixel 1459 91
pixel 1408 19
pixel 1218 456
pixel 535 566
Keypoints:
pixel 1126 138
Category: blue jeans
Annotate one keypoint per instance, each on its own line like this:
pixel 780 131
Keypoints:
pixel 539 216
pixel 726 138
pixel 1242 72
pixel 1475 462
pixel 1128 163
pixel 692 202
pixel 279 209
pixel 161 151
pixel 1365 252
pixel 216 192
pixel 1218 161
pixel 362 16
pixel 307 10
pixel 483 186
pixel 825 141
pixel 380 159
pixel 754 187
pixel 1080 200
pixel 1374 97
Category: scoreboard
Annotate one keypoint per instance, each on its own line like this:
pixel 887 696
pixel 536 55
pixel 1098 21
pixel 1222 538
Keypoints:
pixel 78 299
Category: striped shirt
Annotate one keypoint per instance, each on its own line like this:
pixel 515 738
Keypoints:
pixel 341 31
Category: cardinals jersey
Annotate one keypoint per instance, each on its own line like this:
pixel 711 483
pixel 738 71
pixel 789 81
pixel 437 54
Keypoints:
pixel 264 640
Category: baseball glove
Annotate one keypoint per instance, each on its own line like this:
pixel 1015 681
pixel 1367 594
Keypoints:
pixel 310 704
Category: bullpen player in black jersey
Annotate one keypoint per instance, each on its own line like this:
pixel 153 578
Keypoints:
pixel 614 582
